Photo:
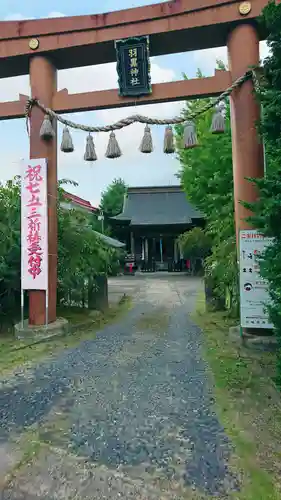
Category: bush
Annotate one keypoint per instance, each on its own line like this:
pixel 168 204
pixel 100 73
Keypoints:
pixel 81 254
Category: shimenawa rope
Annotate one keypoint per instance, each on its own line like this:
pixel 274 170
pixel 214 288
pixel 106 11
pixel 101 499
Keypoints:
pixel 125 122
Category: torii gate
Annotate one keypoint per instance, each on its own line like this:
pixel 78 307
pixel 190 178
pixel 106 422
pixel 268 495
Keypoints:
pixel 42 47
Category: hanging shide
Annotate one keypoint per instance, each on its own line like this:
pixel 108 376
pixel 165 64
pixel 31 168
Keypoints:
pixel 46 131
pixel 90 152
pixel 189 135
pixel 66 143
pixel 218 121
pixel 113 148
pixel 146 143
pixel 169 145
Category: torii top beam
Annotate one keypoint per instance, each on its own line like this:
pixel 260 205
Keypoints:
pixel 175 26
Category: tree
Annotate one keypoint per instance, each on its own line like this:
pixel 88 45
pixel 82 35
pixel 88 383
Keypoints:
pixel 112 198
pixel 207 178
pixel 195 244
pixel 9 247
pixel 82 255
pixel 267 210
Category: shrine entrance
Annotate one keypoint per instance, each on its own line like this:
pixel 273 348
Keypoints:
pixel 41 47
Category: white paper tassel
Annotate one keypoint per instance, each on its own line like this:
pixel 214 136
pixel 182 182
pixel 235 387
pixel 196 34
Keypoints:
pixel 189 135
pixel 90 152
pixel 113 149
pixel 66 143
pixel 46 131
pixel 146 143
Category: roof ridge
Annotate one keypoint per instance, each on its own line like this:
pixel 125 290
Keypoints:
pixel 80 201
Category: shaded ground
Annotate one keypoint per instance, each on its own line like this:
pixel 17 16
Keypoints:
pixel 129 414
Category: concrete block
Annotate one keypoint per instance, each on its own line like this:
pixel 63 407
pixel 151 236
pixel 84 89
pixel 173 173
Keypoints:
pixel 37 333
pixel 256 342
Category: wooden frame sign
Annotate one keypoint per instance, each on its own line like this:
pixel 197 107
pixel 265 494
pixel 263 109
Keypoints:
pixel 133 66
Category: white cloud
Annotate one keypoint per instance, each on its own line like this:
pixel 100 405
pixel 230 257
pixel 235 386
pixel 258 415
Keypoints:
pixel 206 59
pixel 104 76
pixel 56 14
pixel 264 50
pixel 16 17
pixel 10 88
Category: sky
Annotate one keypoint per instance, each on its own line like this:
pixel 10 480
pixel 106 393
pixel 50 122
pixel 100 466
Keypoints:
pixel 134 167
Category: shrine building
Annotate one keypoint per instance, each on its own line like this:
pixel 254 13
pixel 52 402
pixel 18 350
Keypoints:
pixel 151 221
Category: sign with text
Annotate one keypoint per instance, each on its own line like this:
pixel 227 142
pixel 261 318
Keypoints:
pixel 253 288
pixel 133 66
pixel 34 225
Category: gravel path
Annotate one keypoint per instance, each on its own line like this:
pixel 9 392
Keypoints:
pixel 130 412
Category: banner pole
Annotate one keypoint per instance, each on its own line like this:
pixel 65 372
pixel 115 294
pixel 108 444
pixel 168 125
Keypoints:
pixel 47 307
pixel 22 306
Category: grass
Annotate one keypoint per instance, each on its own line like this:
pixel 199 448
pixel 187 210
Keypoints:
pixel 248 406
pixel 15 354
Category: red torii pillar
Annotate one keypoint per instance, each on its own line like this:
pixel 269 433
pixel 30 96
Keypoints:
pixel 247 148
pixel 43 83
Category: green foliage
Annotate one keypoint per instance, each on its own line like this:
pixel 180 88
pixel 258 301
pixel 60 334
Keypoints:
pixel 113 197
pixel 207 178
pixel 9 247
pixel 81 253
pixel 195 243
pixel 267 210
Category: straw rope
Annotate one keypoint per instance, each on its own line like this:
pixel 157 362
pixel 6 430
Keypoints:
pixel 125 122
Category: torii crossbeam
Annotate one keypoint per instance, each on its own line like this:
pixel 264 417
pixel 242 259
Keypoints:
pixel 41 47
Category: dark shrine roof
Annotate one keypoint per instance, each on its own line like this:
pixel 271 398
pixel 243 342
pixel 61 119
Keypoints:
pixel 156 206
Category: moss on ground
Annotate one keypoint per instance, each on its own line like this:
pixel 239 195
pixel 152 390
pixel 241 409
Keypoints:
pixel 248 406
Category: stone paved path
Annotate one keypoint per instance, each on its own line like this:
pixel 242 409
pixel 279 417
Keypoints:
pixel 127 415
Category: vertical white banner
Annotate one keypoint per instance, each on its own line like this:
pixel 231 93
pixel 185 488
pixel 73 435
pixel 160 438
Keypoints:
pixel 254 295
pixel 34 225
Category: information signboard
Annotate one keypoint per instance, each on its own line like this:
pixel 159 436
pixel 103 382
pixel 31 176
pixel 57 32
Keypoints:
pixel 253 288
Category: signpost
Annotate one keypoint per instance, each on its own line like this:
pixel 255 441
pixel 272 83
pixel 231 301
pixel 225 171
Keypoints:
pixel 133 66
pixel 253 288
pixel 34 228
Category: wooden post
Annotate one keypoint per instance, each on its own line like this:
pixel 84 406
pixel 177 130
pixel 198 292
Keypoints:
pixel 43 82
pixel 247 149
pixel 132 243
pixel 142 248
pixel 175 251
pixel 161 250
pixel 146 249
